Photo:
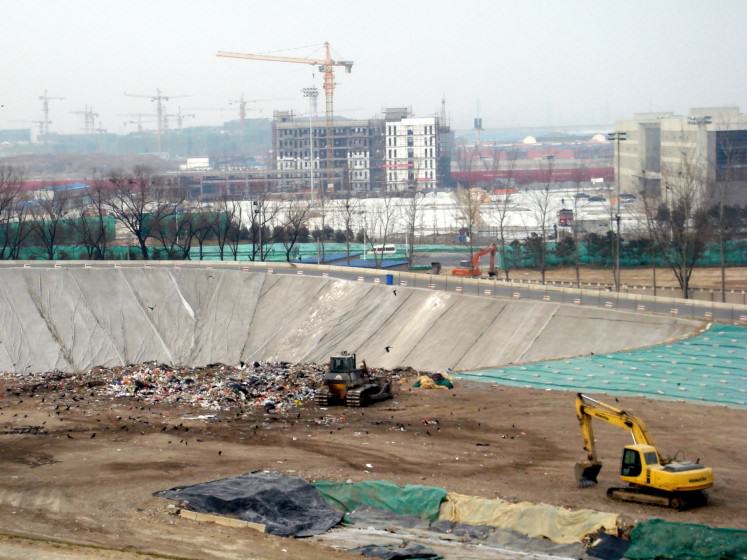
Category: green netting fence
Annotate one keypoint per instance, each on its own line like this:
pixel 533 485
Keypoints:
pixel 657 539
pixel 709 368
pixel 411 499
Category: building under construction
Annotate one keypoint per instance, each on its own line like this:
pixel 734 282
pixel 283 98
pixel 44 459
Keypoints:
pixel 396 152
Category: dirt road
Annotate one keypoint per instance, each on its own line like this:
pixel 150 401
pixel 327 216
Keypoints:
pixel 78 471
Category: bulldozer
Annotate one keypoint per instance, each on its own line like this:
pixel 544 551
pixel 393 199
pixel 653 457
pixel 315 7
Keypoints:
pixel 346 384
pixel 652 478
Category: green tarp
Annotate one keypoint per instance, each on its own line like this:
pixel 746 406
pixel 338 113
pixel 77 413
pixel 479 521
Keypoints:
pixel 659 539
pixel 707 368
pixel 412 499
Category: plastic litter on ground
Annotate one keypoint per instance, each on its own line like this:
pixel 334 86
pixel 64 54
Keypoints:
pixel 709 368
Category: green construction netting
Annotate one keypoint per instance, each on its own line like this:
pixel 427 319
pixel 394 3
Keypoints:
pixel 659 539
pixel 710 367
pixel 410 499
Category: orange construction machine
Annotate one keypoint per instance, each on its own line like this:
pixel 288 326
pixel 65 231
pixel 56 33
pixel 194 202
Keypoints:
pixel 472 269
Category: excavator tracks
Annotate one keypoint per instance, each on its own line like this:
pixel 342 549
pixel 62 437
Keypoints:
pixel 355 398
pixel 679 501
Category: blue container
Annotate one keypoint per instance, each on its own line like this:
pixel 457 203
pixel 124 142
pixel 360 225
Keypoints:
pixel 390 279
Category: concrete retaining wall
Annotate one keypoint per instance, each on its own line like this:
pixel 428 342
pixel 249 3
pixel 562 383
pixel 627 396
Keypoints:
pixel 74 318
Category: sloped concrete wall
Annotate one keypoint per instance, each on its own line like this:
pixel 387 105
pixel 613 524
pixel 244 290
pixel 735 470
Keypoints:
pixel 73 319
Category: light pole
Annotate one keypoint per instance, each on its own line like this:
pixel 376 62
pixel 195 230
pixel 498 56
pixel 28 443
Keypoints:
pixel 312 93
pixel 617 137
pixel 700 143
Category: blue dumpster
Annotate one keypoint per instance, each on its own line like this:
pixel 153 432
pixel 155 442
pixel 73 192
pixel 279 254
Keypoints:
pixel 390 279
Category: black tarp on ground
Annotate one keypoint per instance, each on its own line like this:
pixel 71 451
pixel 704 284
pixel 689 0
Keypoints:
pixel 287 506
pixel 392 552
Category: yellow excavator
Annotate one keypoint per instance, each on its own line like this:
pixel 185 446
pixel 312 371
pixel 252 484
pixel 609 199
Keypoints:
pixel 651 477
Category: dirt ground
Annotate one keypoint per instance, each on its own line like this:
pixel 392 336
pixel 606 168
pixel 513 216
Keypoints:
pixel 705 278
pixel 77 472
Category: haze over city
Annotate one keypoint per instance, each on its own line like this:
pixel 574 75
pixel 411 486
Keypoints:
pixel 522 64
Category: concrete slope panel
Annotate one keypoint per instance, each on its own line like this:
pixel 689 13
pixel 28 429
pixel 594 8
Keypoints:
pixel 304 333
pixel 368 314
pixel 283 302
pixel 117 309
pixel 454 333
pixel 26 340
pixel 82 342
pixel 406 327
pixel 511 334
pixel 577 331
pixel 172 318
pixel 224 319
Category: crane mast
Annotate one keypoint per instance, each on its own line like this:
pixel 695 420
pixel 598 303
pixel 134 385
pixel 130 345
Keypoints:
pixel 327 66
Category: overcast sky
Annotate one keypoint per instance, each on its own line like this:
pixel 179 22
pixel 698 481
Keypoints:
pixel 524 62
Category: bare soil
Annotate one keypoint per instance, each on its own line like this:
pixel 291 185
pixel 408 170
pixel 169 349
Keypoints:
pixel 77 475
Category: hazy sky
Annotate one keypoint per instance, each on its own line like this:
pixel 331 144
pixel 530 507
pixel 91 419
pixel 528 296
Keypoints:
pixel 526 62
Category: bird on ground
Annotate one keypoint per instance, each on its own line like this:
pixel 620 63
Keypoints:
pixel 395 292
pixel 387 348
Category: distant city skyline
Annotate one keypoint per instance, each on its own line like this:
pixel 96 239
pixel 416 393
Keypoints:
pixel 524 64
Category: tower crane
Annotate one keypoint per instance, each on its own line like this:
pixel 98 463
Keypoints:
pixel 139 122
pixel 89 119
pixel 179 117
pixel 44 124
pixel 327 66
pixel 159 99
pixel 242 103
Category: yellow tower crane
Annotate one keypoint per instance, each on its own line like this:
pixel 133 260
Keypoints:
pixel 327 66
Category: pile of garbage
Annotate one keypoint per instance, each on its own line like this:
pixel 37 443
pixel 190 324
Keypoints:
pixel 268 385
pixel 272 386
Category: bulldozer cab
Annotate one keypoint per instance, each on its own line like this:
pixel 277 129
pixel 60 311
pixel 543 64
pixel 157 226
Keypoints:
pixel 342 364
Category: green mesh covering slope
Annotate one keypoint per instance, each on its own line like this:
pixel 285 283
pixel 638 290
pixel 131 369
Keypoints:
pixel 710 367
pixel 411 499
pixel 659 539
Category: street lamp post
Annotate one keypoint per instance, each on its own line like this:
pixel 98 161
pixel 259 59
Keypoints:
pixel 617 137
pixel 312 93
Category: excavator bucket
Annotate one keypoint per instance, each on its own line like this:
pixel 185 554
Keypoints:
pixel 586 473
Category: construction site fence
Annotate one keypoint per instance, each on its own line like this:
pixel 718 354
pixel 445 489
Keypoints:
pixel 728 313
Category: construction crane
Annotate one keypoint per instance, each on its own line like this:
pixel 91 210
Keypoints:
pixel 652 478
pixel 327 66
pixel 89 118
pixel 159 99
pixel 242 103
pixel 179 118
pixel 44 126
pixel 139 122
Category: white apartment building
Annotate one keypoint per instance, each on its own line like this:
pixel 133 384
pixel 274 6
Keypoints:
pixel 411 152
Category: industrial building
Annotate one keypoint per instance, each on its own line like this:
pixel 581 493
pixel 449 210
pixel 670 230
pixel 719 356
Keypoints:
pixel 394 153
pixel 710 141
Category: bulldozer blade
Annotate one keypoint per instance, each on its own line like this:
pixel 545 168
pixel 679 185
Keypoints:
pixel 586 473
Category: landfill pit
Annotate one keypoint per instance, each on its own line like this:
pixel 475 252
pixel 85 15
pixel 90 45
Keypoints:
pixel 82 454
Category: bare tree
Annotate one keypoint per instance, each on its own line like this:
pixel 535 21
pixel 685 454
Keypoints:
pixel 378 223
pixel 579 173
pixel 203 221
pixel 91 224
pixel 296 219
pixel 347 210
pixel 51 215
pixel 11 206
pixel 504 201
pixel 229 211
pixel 468 214
pixel 679 224
pixel 539 200
pixel 138 204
